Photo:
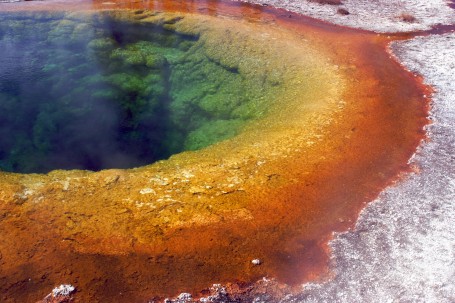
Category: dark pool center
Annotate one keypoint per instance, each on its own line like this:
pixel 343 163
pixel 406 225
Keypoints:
pixel 97 91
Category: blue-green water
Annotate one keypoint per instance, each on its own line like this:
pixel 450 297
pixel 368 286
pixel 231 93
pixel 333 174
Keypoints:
pixel 97 91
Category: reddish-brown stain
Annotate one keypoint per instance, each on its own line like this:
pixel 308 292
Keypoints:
pixel 369 150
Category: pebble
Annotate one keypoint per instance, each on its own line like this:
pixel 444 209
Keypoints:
pixel 256 262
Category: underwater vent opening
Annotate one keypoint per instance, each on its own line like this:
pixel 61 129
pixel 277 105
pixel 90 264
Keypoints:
pixel 100 90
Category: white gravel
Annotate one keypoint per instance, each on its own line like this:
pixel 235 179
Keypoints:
pixel 375 15
pixel 403 246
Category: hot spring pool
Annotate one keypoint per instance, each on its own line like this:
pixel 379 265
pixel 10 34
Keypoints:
pixel 148 150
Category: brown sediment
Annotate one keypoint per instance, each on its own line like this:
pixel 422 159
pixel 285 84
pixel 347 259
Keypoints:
pixel 276 192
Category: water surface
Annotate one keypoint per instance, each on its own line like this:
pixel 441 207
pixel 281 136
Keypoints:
pixel 95 92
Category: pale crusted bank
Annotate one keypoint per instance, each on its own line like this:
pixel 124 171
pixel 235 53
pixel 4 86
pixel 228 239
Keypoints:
pixel 382 16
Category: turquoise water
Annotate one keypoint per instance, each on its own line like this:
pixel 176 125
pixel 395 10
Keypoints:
pixel 96 91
